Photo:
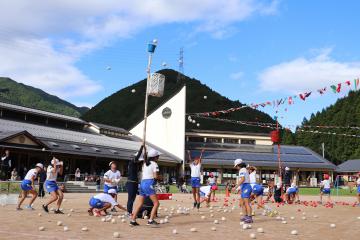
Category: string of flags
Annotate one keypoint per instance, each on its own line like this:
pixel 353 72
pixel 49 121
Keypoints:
pixel 247 123
pixel 329 133
pixel 290 100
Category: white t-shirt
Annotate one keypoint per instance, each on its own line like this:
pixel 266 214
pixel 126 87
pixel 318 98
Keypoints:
pixel 110 175
pixel 50 175
pixel 252 178
pixel 358 181
pixel 195 170
pixel 148 171
pixel 31 173
pixel 244 173
pixel 206 190
pixel 325 183
pixel 211 180
pixel 104 197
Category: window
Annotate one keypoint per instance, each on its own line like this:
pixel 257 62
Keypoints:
pixel 231 140
pixel 248 141
pixel 76 147
pixel 196 139
pixel 96 149
pixel 214 140
pixel 54 144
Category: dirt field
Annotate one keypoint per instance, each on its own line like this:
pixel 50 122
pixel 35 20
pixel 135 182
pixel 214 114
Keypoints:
pixel 24 224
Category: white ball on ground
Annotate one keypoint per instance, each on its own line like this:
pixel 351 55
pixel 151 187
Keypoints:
pixel 252 236
pixel 193 229
pixel 333 225
pixel 113 221
pixel 203 217
pixel 315 216
pixel 166 220
pixel 84 229
pixel 71 210
pixel 103 219
pixel 174 231
pixel 213 229
pixel 123 220
pixel 69 215
pixel 294 232
pixel 216 221
pixel 211 208
pixel 66 229
pixel 245 226
pixel 303 218
pixel 223 219
pixel 292 218
pixel 358 218
pixel 146 217
pixel 39 214
pixel 41 228
pixel 260 230
pixel 161 221
pixel 116 234
pixel 284 222
pixel 225 210
pixel 59 223
pixel 304 213
pixel 211 215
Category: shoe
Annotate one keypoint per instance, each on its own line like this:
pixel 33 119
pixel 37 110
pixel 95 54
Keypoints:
pixel 46 209
pixel 195 203
pixel 243 219
pixel 113 210
pixel 58 212
pixel 29 207
pixel 133 223
pixel 152 222
pixel 19 209
pixel 198 205
pixel 91 212
pixel 248 220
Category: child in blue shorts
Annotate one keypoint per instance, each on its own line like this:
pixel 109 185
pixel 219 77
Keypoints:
pixel 103 201
pixel 195 167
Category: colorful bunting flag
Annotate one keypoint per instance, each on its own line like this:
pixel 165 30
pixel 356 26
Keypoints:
pixel 303 96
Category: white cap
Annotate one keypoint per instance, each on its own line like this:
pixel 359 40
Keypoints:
pixel 112 191
pixel 237 162
pixel 153 153
pixel 293 185
pixel 287 168
pixel 55 161
pixel 40 165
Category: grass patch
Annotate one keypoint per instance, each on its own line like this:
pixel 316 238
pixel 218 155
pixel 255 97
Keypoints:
pixel 334 192
pixel 9 187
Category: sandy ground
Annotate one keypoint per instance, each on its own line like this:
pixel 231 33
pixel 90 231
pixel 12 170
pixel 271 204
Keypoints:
pixel 24 224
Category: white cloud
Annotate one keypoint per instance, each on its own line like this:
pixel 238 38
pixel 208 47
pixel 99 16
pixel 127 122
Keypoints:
pixel 41 41
pixel 237 75
pixel 303 74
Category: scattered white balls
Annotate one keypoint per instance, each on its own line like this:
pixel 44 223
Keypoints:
pixel 252 236
pixel 304 218
pixel 71 210
pixel 69 214
pixel 211 215
pixel 223 219
pixel 292 218
pixel 205 97
pixel 123 220
pixel 174 231
pixel 113 221
pixel 161 221
pixel 193 229
pixel 284 222
pixel 116 235
pixel 41 228
pixel 315 216
pixel 260 230
pixel 294 232
pixel 66 229
pixel 213 229
pixel 333 225
pixel 216 221
pixel 203 217
pixel 84 229
pixel 59 223
pixel 39 214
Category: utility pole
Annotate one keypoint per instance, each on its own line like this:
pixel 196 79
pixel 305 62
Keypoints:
pixel 323 149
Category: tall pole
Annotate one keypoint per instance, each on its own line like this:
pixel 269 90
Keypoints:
pixel 323 149
pixel 278 147
pixel 151 50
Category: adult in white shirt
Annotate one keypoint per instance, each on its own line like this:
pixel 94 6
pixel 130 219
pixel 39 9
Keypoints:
pixel 325 187
pixel 244 183
pixel 103 201
pixel 358 189
pixel 150 171
pixel 252 176
pixel 56 167
pixel 112 178
pixel 27 186
pixel 195 167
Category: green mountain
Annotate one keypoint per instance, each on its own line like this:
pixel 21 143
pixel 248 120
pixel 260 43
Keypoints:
pixel 20 94
pixel 125 108
pixel 345 112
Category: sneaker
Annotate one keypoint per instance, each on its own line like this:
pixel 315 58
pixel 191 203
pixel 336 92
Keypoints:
pixel 19 209
pixel 58 212
pixel 29 207
pixel 243 218
pixel 152 222
pixel 91 212
pixel 113 210
pixel 46 209
pixel 198 205
pixel 133 223
pixel 195 203
pixel 248 220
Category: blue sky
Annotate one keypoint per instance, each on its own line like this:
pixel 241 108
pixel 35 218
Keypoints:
pixel 247 50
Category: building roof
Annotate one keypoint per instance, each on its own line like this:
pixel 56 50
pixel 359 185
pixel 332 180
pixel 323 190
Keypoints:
pixel 227 133
pixel 74 142
pixel 39 112
pixel 349 166
pixel 265 156
pixel 115 129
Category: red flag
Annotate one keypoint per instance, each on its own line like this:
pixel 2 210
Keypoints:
pixel 338 89
pixel 290 100
pixel 348 83
pixel 303 96
pixel 322 90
